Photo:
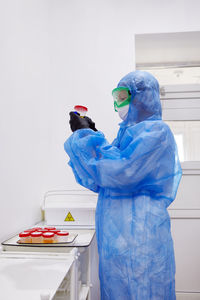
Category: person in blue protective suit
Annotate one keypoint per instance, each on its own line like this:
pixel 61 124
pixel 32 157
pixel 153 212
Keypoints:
pixel 136 177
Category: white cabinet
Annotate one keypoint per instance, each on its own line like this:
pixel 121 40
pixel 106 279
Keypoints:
pixel 181 110
pixel 185 225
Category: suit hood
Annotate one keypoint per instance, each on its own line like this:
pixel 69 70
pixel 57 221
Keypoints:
pixel 145 97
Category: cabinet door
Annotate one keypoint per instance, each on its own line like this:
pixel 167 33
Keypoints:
pixel 185 225
pixel 186 236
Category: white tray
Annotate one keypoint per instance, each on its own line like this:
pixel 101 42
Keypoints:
pixel 14 242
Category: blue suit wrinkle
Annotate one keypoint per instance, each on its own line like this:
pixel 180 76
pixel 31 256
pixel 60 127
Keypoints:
pixel 136 177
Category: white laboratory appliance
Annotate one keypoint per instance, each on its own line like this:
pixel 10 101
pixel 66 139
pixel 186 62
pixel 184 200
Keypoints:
pixel 181 110
pixel 66 271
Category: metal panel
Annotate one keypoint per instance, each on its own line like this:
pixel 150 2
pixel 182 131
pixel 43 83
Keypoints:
pixel 181 88
pixel 181 95
pixel 175 103
pixel 181 114
pixel 181 102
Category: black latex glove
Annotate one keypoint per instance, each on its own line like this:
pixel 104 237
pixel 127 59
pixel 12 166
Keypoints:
pixel 76 122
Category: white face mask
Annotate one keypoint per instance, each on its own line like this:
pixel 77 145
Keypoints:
pixel 123 112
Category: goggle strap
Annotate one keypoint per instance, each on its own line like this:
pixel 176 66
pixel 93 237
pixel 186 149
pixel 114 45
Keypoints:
pixel 120 89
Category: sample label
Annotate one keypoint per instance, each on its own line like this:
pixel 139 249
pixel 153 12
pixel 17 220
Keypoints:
pixel 69 217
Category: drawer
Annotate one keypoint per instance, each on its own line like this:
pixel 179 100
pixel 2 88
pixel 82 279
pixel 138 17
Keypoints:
pixel 187 296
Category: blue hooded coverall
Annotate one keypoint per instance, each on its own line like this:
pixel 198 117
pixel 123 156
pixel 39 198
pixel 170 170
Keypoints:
pixel 136 177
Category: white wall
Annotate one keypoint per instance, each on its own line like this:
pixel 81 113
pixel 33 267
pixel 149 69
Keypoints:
pixel 57 53
pixel 24 117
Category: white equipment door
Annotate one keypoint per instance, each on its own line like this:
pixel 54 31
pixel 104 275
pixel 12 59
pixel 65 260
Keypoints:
pixel 181 110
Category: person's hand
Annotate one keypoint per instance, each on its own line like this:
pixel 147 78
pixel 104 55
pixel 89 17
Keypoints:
pixel 91 123
pixel 76 122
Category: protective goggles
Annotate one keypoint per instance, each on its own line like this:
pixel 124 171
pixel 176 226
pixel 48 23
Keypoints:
pixel 121 96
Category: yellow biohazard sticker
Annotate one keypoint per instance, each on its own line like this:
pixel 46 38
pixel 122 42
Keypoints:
pixel 69 217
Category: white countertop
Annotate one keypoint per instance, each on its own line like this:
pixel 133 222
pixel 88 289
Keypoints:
pixel 29 276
